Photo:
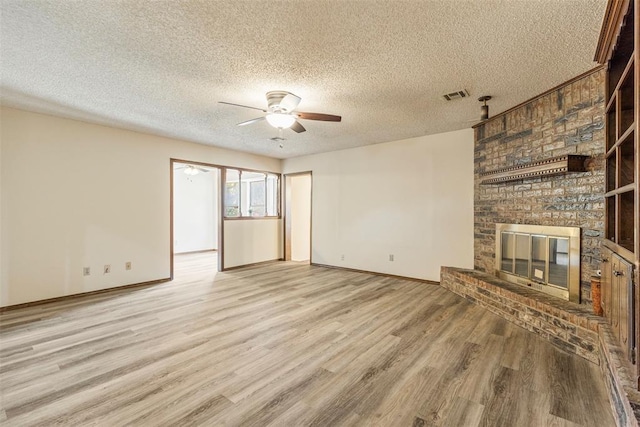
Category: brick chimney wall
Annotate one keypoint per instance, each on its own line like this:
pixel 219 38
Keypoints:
pixel 566 120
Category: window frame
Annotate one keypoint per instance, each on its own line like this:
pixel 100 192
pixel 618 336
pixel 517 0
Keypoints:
pixel 241 216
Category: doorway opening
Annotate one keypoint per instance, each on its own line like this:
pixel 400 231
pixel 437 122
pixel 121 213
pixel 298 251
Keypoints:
pixel 297 227
pixel 195 213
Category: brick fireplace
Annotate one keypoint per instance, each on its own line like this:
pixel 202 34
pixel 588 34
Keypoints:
pixel 566 120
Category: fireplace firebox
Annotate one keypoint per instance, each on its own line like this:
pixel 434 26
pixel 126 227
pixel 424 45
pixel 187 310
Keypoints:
pixel 545 258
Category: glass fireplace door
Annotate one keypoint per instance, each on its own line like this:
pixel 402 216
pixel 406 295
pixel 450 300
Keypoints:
pixel 545 258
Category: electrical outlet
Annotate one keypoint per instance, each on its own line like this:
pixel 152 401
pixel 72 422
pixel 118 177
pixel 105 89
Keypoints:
pixel 390 257
pixel 86 271
pixel 127 265
pixel 107 268
pixel 342 257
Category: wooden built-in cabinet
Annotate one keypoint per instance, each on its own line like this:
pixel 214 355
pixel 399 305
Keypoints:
pixel 618 49
pixel 617 299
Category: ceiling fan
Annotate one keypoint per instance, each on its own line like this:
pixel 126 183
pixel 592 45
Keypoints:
pixel 281 114
pixel 192 170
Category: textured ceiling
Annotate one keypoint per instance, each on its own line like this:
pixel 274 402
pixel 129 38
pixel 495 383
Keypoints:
pixel 162 66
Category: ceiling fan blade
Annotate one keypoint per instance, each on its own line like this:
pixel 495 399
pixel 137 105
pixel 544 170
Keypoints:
pixel 318 116
pixel 297 127
pixel 290 102
pixel 248 122
pixel 243 106
pixel 203 170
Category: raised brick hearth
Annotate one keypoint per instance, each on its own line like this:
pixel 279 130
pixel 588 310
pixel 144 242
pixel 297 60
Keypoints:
pixel 571 327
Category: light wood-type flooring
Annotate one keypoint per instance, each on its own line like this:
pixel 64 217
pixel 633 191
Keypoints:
pixel 285 344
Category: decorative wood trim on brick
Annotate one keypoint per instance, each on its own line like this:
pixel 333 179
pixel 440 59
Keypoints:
pixel 569 326
pixel 553 166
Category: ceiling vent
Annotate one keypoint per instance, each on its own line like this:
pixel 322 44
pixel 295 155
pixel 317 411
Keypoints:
pixel 456 95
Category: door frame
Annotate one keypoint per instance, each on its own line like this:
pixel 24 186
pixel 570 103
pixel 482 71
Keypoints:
pixel 287 214
pixel 220 169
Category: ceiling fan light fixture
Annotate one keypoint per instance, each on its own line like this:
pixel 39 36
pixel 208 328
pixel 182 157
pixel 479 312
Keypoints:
pixel 280 120
pixel 190 170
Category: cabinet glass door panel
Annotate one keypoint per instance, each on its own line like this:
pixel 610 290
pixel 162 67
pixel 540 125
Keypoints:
pixel 627 162
pixel 626 95
pixel 626 220
pixel 611 172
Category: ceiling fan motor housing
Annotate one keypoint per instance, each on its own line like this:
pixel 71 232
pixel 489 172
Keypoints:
pixel 274 98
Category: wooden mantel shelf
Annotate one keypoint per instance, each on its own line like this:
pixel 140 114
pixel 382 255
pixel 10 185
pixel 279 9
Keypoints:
pixel 553 166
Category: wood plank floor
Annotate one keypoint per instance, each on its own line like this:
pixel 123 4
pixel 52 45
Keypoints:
pixel 285 344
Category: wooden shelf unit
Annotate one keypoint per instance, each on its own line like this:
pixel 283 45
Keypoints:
pixel 618 48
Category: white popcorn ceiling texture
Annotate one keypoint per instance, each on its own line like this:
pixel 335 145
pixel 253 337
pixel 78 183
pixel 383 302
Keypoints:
pixel 162 66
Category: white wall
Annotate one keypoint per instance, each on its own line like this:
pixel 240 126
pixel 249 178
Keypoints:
pixel 410 198
pixel 300 217
pixel 195 211
pixel 246 245
pixel 76 194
